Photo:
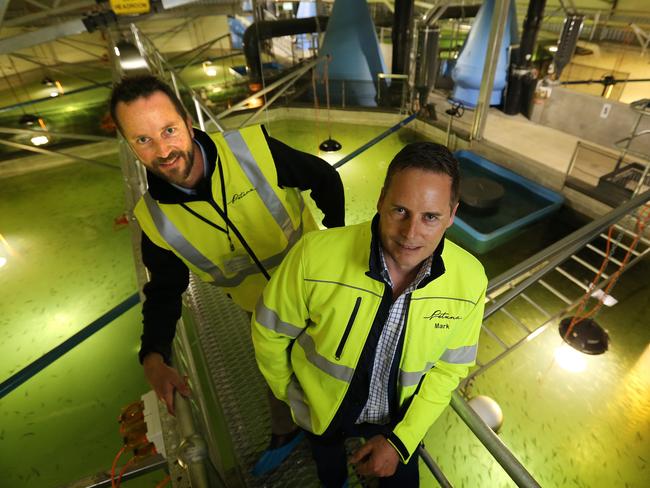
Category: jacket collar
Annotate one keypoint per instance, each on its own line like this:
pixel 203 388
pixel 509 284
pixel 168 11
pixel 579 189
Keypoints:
pixel 162 191
pixel 374 262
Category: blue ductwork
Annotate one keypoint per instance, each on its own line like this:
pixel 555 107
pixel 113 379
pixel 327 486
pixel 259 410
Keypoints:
pixel 468 73
pixel 355 56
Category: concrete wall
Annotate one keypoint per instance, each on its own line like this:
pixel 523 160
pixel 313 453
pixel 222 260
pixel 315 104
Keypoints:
pixel 581 115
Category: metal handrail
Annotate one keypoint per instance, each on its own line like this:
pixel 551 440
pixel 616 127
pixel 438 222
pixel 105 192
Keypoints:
pixel 433 467
pixel 291 79
pixel 556 253
pixel 492 443
pixel 307 66
pixel 146 46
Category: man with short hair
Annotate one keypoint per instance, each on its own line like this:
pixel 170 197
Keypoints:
pixel 228 207
pixel 366 330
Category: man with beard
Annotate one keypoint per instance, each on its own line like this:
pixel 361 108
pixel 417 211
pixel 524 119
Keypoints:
pixel 226 206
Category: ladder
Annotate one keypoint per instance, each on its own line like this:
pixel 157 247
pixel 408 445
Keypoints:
pixel 560 276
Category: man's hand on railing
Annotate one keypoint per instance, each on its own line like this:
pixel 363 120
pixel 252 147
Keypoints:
pixel 164 380
pixel 376 458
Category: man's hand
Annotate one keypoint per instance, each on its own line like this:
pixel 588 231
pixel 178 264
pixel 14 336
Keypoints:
pixel 376 458
pixel 164 379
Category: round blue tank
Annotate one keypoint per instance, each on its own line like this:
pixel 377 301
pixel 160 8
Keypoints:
pixel 468 72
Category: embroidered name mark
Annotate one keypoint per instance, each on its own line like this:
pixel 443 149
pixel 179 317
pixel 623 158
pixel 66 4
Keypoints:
pixel 240 195
pixel 439 314
pixel 438 325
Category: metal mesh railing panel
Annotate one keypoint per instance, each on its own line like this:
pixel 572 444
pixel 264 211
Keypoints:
pixel 224 333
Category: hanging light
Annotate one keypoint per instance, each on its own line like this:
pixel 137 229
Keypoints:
pixel 209 68
pixel 586 335
pixel 28 120
pixel 330 145
pixel 39 140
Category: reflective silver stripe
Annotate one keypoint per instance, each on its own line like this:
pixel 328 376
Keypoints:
pixel 462 355
pixel 250 167
pixel 298 404
pixel 338 371
pixel 269 319
pixel 408 378
pixel 174 238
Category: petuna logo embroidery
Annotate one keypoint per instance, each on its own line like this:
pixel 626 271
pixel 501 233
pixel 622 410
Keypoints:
pixel 240 195
pixel 439 314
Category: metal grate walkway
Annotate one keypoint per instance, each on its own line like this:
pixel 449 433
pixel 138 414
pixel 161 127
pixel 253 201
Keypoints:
pixel 225 340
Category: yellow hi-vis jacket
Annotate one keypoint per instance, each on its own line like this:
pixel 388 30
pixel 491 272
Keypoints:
pixel 270 218
pixel 316 315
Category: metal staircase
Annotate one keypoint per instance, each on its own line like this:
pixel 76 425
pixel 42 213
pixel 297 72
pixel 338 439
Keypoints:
pixel 564 272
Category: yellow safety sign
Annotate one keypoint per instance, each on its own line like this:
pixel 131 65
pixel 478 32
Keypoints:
pixel 130 7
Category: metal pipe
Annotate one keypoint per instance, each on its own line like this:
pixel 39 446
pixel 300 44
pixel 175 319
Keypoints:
pixel 492 443
pixel 268 29
pixel 400 35
pixel 497 28
pixel 433 467
pixel 374 141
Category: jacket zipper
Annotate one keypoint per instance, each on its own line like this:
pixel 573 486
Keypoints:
pixel 348 327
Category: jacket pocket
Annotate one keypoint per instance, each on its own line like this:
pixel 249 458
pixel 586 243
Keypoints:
pixel 346 333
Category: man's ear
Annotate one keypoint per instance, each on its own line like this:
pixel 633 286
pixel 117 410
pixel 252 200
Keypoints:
pixel 381 198
pixel 453 214
pixel 188 122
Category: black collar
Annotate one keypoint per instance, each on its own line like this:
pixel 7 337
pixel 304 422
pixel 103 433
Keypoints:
pixel 374 262
pixel 162 191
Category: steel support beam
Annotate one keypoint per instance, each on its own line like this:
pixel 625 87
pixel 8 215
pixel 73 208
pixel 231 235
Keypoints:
pixel 48 152
pixel 499 19
pixel 68 7
pixel 40 36
pixel 69 72
pixel 81 137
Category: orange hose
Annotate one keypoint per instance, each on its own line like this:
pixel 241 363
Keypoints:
pixel 580 315
pixel 123 470
pixel 115 460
